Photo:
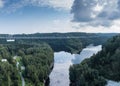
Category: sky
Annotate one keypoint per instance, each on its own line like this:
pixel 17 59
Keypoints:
pixel 47 16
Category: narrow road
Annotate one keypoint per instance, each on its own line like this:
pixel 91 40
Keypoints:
pixel 23 81
pixel 17 65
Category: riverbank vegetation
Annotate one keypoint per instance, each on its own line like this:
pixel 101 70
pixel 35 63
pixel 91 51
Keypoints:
pixel 100 67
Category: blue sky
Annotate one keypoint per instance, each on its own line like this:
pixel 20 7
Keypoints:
pixel 31 16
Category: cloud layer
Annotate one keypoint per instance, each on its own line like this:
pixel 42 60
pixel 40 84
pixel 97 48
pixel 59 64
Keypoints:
pixel 13 5
pixel 96 12
pixel 63 4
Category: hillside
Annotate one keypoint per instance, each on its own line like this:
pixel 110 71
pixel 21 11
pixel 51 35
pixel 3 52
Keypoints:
pixel 100 67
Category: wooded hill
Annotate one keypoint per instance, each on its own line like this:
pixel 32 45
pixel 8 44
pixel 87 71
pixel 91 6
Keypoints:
pixel 101 67
pixel 71 42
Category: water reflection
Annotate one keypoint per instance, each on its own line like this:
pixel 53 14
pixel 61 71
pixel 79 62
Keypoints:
pixel 60 74
pixel 113 83
pixel 86 53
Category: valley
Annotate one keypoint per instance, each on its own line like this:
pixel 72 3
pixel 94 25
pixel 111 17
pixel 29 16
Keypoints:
pixel 39 56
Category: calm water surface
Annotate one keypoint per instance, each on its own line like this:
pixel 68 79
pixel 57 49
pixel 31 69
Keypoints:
pixel 60 74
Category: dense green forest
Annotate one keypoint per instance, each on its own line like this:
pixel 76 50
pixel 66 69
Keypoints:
pixel 100 67
pixel 71 34
pixel 69 45
pixel 36 58
pixel 70 42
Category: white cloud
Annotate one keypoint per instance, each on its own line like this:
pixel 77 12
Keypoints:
pixel 1 3
pixel 98 8
pixel 57 25
pixel 57 4
pixel 64 4
pixel 99 29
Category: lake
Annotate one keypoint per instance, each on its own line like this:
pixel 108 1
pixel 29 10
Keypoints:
pixel 62 61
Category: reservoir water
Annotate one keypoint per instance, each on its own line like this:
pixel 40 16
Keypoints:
pixel 62 61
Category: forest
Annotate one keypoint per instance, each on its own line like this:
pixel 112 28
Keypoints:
pixel 72 42
pixel 37 59
pixel 69 34
pixel 103 66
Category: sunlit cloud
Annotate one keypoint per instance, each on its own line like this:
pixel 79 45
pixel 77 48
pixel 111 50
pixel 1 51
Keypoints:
pixel 1 3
